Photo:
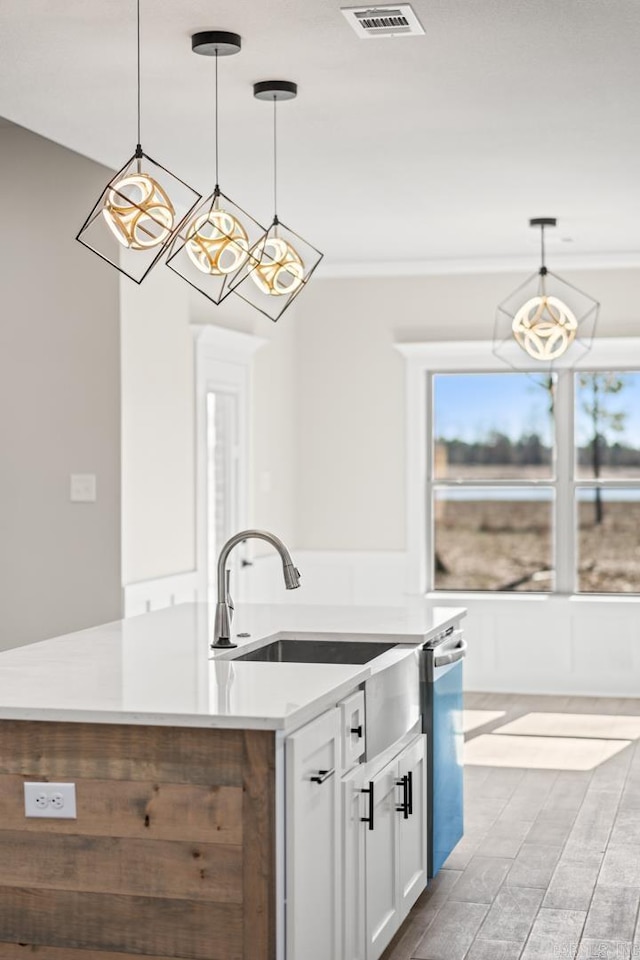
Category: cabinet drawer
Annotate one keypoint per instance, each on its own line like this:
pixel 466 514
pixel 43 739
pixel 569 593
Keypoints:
pixel 353 741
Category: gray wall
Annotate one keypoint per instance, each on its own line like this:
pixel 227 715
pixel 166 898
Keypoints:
pixel 59 397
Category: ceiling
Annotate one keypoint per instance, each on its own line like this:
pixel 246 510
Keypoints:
pixel 398 155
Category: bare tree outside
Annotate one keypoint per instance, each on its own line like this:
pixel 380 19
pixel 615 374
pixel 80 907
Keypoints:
pixel 597 391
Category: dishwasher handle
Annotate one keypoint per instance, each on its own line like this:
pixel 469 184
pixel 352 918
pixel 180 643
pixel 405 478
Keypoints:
pixel 458 653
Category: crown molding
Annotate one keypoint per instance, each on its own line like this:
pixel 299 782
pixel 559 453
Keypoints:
pixel 434 268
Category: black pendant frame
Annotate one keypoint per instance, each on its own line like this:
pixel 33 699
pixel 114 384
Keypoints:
pixel 245 288
pixel 544 282
pixel 215 287
pixel 115 251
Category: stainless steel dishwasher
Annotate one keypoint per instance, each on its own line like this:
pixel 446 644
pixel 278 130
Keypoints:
pixel 441 703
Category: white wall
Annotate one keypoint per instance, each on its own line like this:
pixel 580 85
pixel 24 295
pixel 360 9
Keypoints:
pixel 350 465
pixel 327 468
pixel 59 397
pixel 158 426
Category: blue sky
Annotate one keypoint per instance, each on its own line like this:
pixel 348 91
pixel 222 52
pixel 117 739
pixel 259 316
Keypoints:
pixel 468 406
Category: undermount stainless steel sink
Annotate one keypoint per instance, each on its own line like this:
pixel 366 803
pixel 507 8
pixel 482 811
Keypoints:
pixel 318 651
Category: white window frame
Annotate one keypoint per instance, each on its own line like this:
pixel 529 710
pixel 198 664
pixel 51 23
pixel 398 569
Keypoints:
pixel 611 353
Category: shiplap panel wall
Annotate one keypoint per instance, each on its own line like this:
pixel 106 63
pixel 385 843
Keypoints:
pixel 172 853
pixel 517 644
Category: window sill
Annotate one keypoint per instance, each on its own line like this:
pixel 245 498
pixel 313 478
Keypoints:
pixel 500 596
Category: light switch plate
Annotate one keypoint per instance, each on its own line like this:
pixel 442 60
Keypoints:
pixel 53 800
pixel 83 488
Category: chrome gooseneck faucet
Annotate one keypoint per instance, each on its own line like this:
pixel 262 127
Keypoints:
pixel 224 606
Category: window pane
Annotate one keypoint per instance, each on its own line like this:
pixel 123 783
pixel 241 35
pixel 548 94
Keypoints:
pixel 608 424
pixel 493 539
pixel 609 540
pixel 492 426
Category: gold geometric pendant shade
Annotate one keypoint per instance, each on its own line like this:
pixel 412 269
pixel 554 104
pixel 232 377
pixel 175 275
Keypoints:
pixel 139 212
pixel 545 327
pixel 546 320
pixel 217 243
pixel 279 271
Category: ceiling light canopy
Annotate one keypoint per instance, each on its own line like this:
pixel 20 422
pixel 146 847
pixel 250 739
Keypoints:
pixel 215 242
pixel 134 218
pixel 281 262
pixel 545 318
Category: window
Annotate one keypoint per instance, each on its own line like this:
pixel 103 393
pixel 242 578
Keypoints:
pixel 607 490
pixel 493 481
pixel 533 481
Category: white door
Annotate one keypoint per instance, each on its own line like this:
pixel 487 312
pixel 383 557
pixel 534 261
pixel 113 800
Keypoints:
pixel 313 827
pixel 223 455
pixel 381 852
pixel 354 808
pixel 412 823
pixel 223 379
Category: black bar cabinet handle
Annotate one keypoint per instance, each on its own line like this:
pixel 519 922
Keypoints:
pixel 410 790
pixel 322 776
pixel 357 731
pixel 403 808
pixel 368 790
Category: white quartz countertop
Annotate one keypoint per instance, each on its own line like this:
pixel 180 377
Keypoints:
pixel 158 669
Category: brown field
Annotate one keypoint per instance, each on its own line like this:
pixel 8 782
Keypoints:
pixel 506 545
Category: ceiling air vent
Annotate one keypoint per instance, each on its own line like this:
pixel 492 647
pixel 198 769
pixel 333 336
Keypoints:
pixel 371 22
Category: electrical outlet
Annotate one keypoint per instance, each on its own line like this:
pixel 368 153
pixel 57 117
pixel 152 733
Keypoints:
pixel 50 800
pixel 82 488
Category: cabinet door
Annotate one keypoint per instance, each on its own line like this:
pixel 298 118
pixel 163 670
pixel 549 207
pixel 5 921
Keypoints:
pixel 412 828
pixel 313 840
pixel 381 852
pixel 354 807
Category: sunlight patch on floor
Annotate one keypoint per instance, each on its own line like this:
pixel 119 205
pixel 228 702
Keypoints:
pixel 472 719
pixel 540 753
pixel 591 725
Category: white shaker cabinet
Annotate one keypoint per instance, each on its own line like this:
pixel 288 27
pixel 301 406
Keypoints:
pixel 396 847
pixel 354 808
pixel 313 841
pixel 381 858
pixel 356 846
pixel 412 827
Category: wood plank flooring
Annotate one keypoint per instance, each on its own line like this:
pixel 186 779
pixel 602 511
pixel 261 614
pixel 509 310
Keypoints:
pixel 549 867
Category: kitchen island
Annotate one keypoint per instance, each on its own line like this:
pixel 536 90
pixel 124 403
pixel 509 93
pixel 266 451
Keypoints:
pixel 189 816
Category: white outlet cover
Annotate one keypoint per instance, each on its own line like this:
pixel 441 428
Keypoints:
pixel 51 800
pixel 83 488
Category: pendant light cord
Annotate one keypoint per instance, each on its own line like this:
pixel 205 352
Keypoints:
pixel 216 115
pixel 543 268
pixel 139 148
pixel 275 162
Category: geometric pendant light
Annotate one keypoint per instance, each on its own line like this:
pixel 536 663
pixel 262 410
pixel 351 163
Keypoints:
pixel 136 215
pixel 545 319
pixel 281 263
pixel 213 244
